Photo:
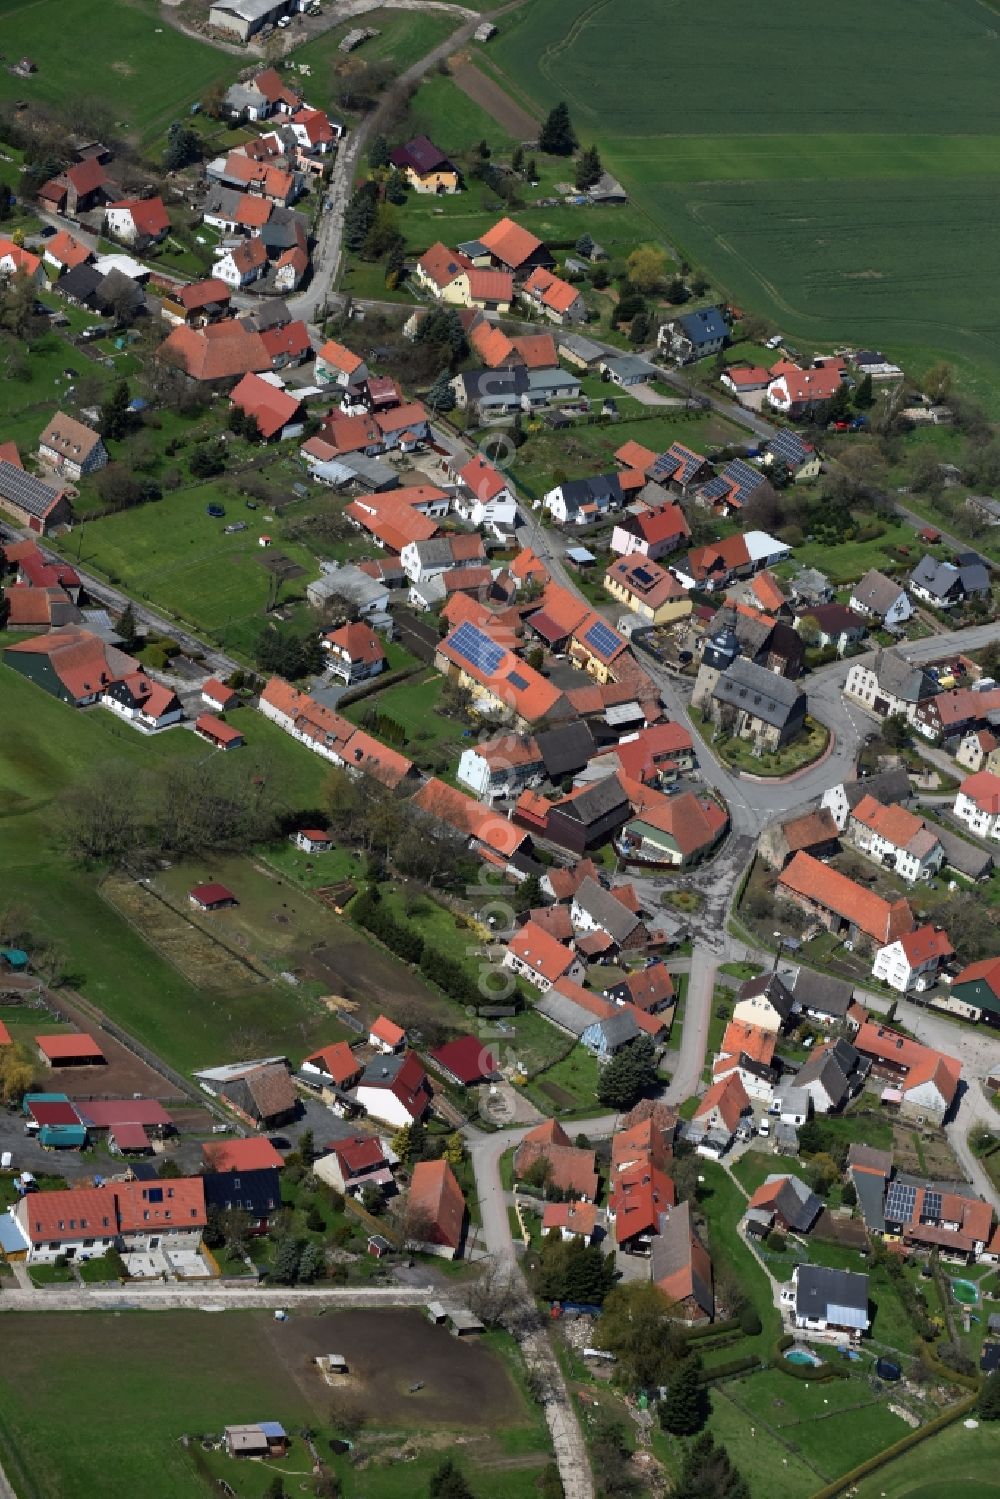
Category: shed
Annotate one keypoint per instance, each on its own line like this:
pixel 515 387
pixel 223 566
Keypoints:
pixel 379 1245
pixel 15 958
pixel 212 897
pixel 436 1312
pixel 464 1323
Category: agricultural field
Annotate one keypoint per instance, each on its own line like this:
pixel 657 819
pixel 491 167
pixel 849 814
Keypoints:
pixel 120 50
pixel 878 235
pixel 251 1368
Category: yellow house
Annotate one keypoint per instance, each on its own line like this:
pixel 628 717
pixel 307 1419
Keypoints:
pixel 595 647
pixel 426 169
pixel 451 277
pixel 647 589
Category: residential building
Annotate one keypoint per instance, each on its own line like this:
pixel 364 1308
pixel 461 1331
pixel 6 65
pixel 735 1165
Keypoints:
pixel 748 1051
pixel 833 1073
pixel 489 501
pixel 921 1082
pixel 796 392
pixel 395 1089
pixel 85 1222
pixel 888 786
pixel 340 366
pixel 648 590
pixel 934 1216
pixel 911 963
pixel 497 393
pixel 465 1061
pixel 882 599
pixel 147 703
pixel 535 955
pixel 787 1202
pixel 425 167
pixel 639 1197
pixel 256 1193
pixel 977 804
pixel 501 768
pixel 196 303
pixel 435 1222
pixel 758 705
pixel 652 533
pixel 137 221
pixel 513 248
pixel 597 910
pixel 694 335
pixel 943 585
pixel 765 1003
pixel 628 370
pixel 496 677
pixel 572 1220
pixel 718 1114
pixel 977 989
pixel 334 1066
pixel 820 996
pixel 677 830
pixel 649 989
pixel 386 1036
pixel 561 302
pixel 65 252
pixel 453 278
pixel 354 1163
pixel 252 1154
pixel 583 501
pixel 277 414
pixel 813 832
pixel 836 624
pixel 38 507
pixel 242 265
pixel 568 1167
pixel 895 838
pixel 840 904
pixel 70 448
pixel 71 663
pixel 680 1266
pixel 354 653
pixel 828 1304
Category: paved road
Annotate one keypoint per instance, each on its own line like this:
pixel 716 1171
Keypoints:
pixel 211 1297
pixel 694 1035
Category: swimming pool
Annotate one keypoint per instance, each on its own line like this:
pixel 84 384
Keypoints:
pixel 965 1291
pixel 802 1356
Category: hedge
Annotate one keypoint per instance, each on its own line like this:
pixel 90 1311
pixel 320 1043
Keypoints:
pixel 967 1381
pixel 711 1329
pixel 825 1370
pixel 872 1464
pixel 726 1371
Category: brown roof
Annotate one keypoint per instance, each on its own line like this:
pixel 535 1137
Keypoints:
pixel 218 352
pixel 437 1198
pixel 271 1089
pixel 884 920
pixel 573 1170
pixel 729 1096
pixel 240 1155
pixel 809 830
pixel 69 438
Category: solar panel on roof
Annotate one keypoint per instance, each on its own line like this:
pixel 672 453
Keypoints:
pixel 900 1200
pixel 516 680
pixel 931 1212
pixel 477 649
pixel 643 577
pixel 603 639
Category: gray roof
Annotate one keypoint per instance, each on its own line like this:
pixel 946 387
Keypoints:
pixel 704 326
pixel 222 201
pixel 350 583
pixel 618 1030
pixel 564 1012
pixel 833 1069
pixel 839 1296
pixel 273 313
pixel 434 553
pixel 940 578
pixel 876 592
pixel 672 1251
pixel 898 678
pixel 886 786
pixel 975 863
pixel 751 632
pixel 809 582
pixel 25 491
pixel 248 10
pixel 579 492
pixel 583 348
pixel 786 1134
pixel 819 991
pixel 596 802
pixel 795 1100
pixel 382 1070
pixel 761 693
pixel 553 379
pixel 797 1203
pixel 564 749
pixel 776 990
pixel 617 920
pixel 859 1154
pixel 625 365
pixel 871 1199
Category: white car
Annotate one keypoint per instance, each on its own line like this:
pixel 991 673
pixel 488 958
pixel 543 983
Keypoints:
pixel 764 1127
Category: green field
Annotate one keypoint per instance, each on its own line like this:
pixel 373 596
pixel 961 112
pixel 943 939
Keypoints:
pixel 108 49
pixel 956 1461
pixel 842 208
pixel 404 38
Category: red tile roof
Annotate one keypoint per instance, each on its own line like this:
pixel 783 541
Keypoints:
pixel 920 1064
pixel 218 352
pixel 639 1194
pixel 753 1041
pixel 272 409
pixel 729 1096
pixel 894 824
pixel 339 357
pixel 219 693
pixel 80 1212
pixel 693 822
pixel 540 952
pixel 881 919
pixel 202 293
pixel 387 1031
pixel 509 243
pixel 490 286
pixel 574 1217
pixel 467 1059
pixel 358 642
pixel 437 1204
pixel 240 1155
pixel 68 251
pixel 216 728
pixel 147 214
pixel 338 1060
pixel 929 942
pixel 572 1169
pixel 552 291
pixel 388 766
pixel 69 1044
pixel 178 1203
pixel 983 788
pixel 468 816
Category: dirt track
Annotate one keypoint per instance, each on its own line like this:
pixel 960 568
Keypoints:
pixel 491 97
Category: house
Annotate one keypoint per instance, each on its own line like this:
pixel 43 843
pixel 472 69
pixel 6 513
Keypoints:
pixel 217 696
pixel 835 624
pixel 197 303
pixel 813 832
pixel 694 335
pixel 386 1036
pixel 70 1049
pixel 136 1217
pixel 242 265
pixel 71 663
pixel 654 756
pixel 877 597
pixel 79 188
pixel 718 1114
pixel 889 786
pixel 570 1007
pixel 649 989
pixel 840 904
pixel 265 1438
pixel 757 704
pixel 340 366
pixel 451 277
pixel 495 676
pixel 626 370
pixel 219 351
pixel 535 955
pixel 465 1061
pixel 213 897
pixel 945 584
pixel 32 504
pixel 820 996
pixel 896 839
pixel 426 169
pixel 30 609
pixel 796 392
pixel 354 653
pixel 137 221
pixel 789 1203
pixel 496 393
pixel 977 804
pixel 742 380
pixel 716 564
pixel 423 560
pixel 834 1073
pixel 394 1089
pixel 922 1082
pixel 639 1196
pixel 676 830
pixel 588 816
pixel 240 1155
pixel 829 1304
pixel 261 96
pixel 568 1167
pixel 354 1163
pixel 764 1002
pixel 435 1210
pixel 596 647
pixel 652 533
pixel 514 249
pixel 647 589
pixel 911 963
pixel 263 1095
pixel 500 769
pixel 312 841
pixel 977 989
pixel 571 1220
pixel 680 1266
pixel 610 1034
pixel 681 469
pixel 148 704
pixel 926 1215
pixel 494 837
pixel 583 501
pixel 954 716
pixel 490 501
pixel 256 1193
pixel 748 1052
pixel 334 1066
pixel 558 300
pixel 64 252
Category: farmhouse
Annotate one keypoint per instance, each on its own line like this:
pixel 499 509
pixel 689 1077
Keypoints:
pixel 568 1167
pixel 840 904
pixel 895 838
pixel 495 676
pixel 671 830
pixel 923 1083
pixel 262 1095
pixel 535 955
pixel 72 664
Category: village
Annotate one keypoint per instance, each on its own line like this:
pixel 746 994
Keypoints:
pixel 550 801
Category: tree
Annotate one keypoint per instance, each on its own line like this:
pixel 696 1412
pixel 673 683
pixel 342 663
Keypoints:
pixel 707 1473
pixel 635 1327
pixel 307 1147
pixel 100 820
pixel 864 399
pixel 454 1150
pixel 640 329
pixel 896 731
pixel 395 187
pixel 395 264
pixel 448 1482
pixel 556 136
pixel 359 215
pixel 207 460
pixel 311 1264
pixel 588 169
pixel 684 1409
pixel 647 267
pixel 114 422
pixel 402 1143
pixel 183 147
pixel 628 1075
pixel 517 158
pixel 848 1195
pixel 585 246
pixel 18 1070
pixel 937 382
pixel 276 1488
pixel 441 397
pixel 570 1270
pixel 970 924
pixel 531 171
pixel 128 627
pixel 988 1408
pixel 287 1255
pixel 378 156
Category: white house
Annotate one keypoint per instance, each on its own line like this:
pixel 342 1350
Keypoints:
pixel 243 264
pixel 394 1089
pixel 978 804
pixel 829 1304
pixel 765 1002
pixel 912 962
pixel 501 768
pixel 877 597
pixel 537 956
pixel 486 499
pixel 148 704
pixel 138 221
pixel 340 366
pixel 897 839
pixel 354 652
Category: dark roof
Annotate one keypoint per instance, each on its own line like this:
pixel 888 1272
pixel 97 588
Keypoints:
pixel 704 326
pixel 886 786
pixel 421 155
pixel 761 693
pixel 257 1192
pixel 565 749
pixel 595 803
pixel 819 991
pixel 25 491
pixel 467 1059
pixel 775 989
pixel 839 1296
pixel 619 1029
pixel 579 492
pixel 962 856
pixel 80 283
pixel 604 907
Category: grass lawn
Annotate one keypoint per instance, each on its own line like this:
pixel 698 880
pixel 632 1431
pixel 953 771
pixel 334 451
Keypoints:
pixel 452 120
pixel 117 51
pixel 768 1466
pixel 415 706
pixel 739 754
pixel 953 1461
pixel 95 1272
pixel 767 206
pixel 50 1275
pixel 404 38
pixel 755 1166
pixel 723 1204
pixel 569 1085
pixel 847 561
pixel 247 1365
